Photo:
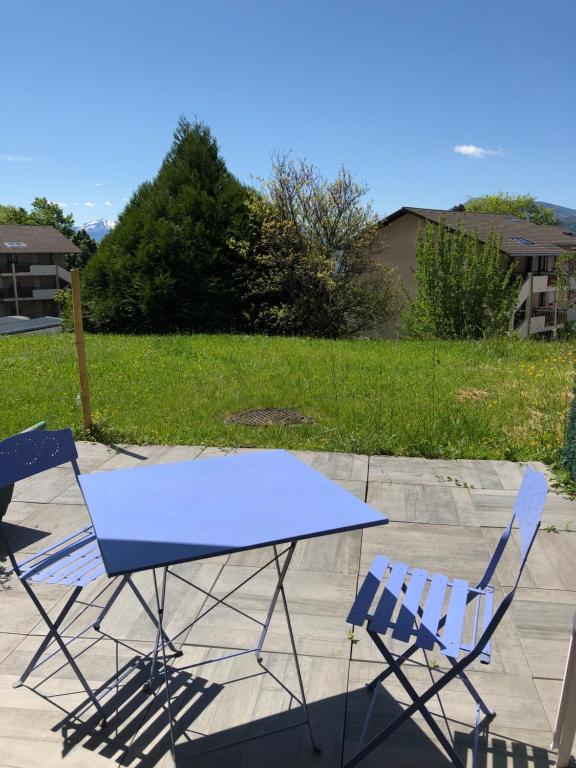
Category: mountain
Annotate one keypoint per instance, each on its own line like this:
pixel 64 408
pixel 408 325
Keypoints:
pixel 566 216
pixel 98 229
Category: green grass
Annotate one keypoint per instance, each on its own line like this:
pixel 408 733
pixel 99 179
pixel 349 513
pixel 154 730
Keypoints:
pixel 498 399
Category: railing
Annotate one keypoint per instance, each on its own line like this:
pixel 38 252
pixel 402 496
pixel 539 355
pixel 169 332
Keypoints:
pixel 541 319
pixel 23 293
pixel 7 294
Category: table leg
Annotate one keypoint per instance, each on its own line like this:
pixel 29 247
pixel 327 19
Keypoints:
pixel 280 588
pixel 160 595
pixel 279 592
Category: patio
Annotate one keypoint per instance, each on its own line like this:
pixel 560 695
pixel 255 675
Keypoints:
pixel 444 516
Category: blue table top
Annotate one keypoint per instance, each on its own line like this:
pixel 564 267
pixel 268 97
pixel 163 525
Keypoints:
pixel 164 514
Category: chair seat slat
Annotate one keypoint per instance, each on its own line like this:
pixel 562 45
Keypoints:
pixel 367 591
pixel 55 559
pixel 93 570
pixel 392 590
pixel 407 615
pixel 42 552
pixel 455 616
pixel 432 609
pixel 74 564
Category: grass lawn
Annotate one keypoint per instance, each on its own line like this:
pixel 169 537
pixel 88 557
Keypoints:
pixel 498 399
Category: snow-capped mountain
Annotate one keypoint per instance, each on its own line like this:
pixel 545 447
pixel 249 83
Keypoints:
pixel 98 229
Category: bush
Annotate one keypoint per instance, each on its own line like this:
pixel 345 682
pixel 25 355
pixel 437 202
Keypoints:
pixel 463 288
pixel 570 442
pixel 63 298
pixel 307 267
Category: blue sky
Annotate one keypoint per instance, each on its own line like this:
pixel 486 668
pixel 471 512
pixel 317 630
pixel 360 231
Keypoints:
pixel 91 92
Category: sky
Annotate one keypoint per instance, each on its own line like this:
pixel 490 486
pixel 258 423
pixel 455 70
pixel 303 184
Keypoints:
pixel 427 102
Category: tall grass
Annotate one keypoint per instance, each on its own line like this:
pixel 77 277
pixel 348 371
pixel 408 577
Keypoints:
pixel 500 399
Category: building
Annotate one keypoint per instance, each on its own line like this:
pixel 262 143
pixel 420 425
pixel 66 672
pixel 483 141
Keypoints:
pixel 532 247
pixel 33 267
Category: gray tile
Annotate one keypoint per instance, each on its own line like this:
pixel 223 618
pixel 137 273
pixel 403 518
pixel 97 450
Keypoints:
pixel 459 551
pixel 549 565
pixel 91 456
pixel 545 629
pixel 423 503
pixel 338 553
pixel 45 486
pixel 336 466
pixel 494 508
pixel 318 604
pixel 47 524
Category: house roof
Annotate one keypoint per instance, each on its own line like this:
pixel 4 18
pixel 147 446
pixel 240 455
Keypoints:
pixel 10 326
pixel 28 238
pixel 519 237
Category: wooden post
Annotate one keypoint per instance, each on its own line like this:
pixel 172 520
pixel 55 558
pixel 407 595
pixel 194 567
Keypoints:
pixel 80 348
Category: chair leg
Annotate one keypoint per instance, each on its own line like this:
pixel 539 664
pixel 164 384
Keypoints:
pixel 474 693
pixel 388 671
pixel 402 718
pixel 50 636
pixel 53 634
pixel 413 693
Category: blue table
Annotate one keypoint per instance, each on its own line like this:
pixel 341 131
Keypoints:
pixel 158 516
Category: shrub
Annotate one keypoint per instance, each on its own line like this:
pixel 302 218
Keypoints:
pixel 463 288
pixel 570 441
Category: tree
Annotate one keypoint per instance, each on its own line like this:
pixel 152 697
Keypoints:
pixel 463 288
pixel 522 206
pixel 87 245
pixel 307 268
pixel 49 214
pixel 167 265
pixel 11 214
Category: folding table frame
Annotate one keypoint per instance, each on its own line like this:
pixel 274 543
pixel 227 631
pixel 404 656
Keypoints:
pixel 162 642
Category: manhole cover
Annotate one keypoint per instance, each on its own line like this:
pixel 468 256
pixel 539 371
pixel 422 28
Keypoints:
pixel 265 417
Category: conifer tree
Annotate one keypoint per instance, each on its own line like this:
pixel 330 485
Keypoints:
pixel 167 265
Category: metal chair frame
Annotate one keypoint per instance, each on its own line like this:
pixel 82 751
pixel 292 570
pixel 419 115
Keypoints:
pixel 73 561
pixel 426 622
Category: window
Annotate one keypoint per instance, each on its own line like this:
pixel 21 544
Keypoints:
pixel 522 241
pixel 15 244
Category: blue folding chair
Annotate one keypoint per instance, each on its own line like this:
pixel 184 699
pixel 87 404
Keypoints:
pixel 426 627
pixel 75 561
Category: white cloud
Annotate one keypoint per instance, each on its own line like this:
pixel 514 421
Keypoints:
pixel 470 150
pixel 63 205
pixel 125 199
pixel 16 158
pixel 98 184
pixel 90 205
pixel 107 203
pixel 76 204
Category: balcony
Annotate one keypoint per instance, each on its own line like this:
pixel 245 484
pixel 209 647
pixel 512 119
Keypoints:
pixel 27 294
pixel 37 270
pixel 542 320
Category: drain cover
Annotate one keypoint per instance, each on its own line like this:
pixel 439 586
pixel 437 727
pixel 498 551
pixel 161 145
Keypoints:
pixel 266 417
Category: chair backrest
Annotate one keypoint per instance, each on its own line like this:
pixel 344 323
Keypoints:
pixel 29 453
pixel 528 509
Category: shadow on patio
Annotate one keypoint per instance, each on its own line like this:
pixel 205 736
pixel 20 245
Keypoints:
pixel 207 718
